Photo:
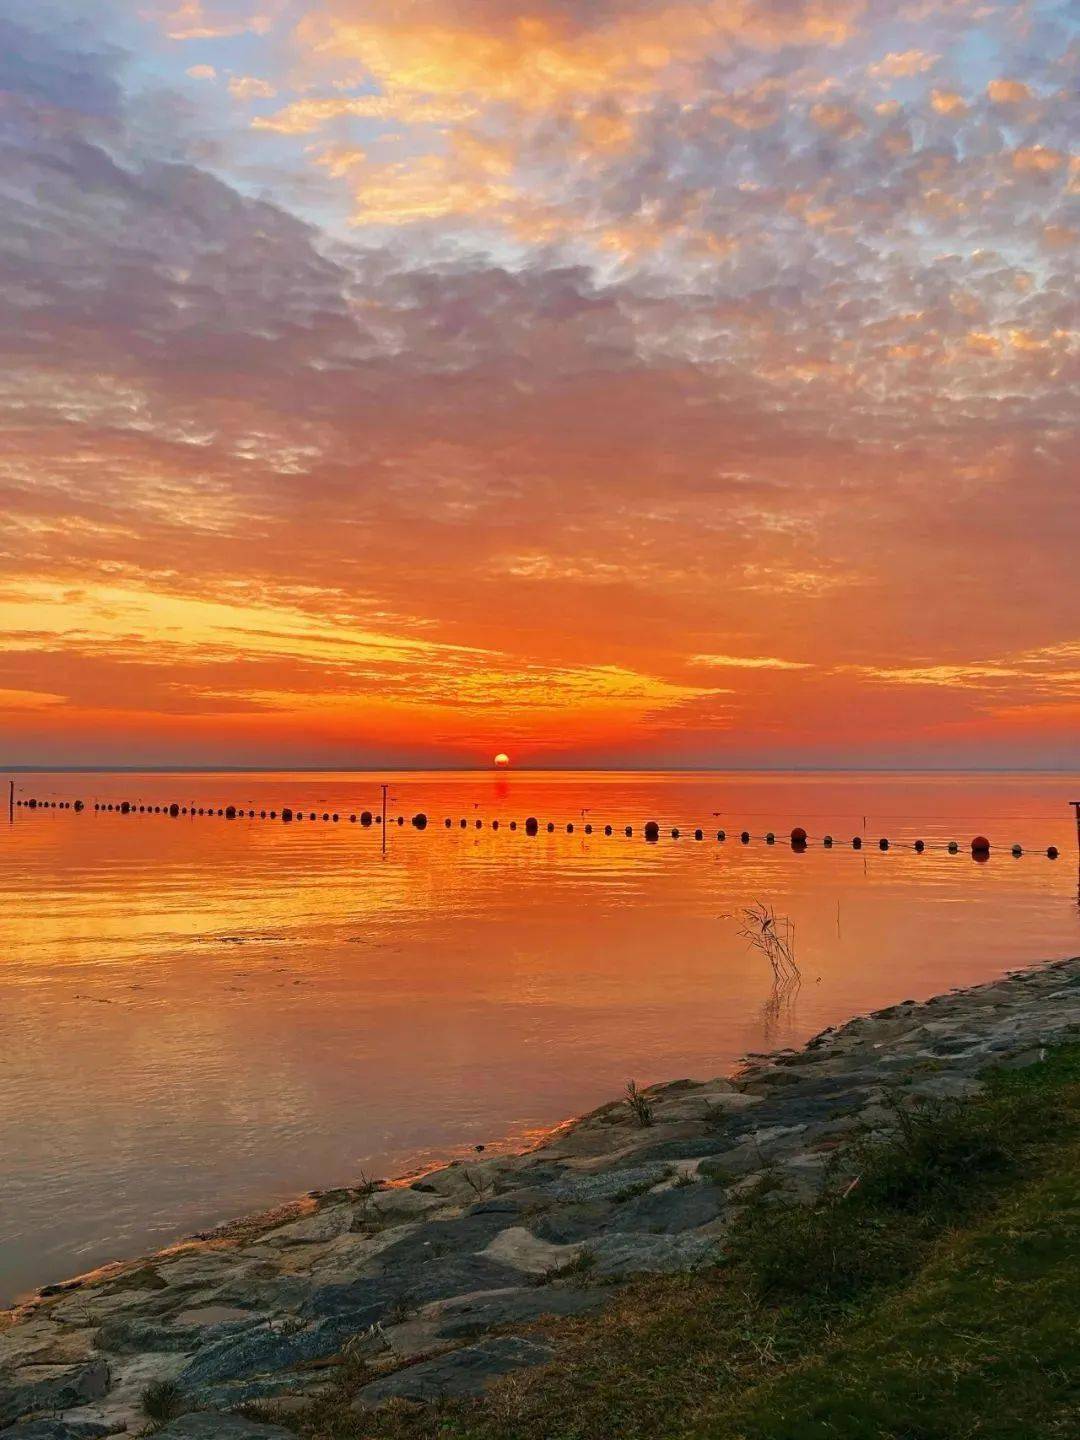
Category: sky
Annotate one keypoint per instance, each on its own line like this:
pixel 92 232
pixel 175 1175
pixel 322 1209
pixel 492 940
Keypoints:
pixel 609 382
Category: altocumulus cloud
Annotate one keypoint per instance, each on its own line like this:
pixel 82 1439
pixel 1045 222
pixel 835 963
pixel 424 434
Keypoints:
pixel 656 331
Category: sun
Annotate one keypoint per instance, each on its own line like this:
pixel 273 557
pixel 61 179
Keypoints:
pixel 501 761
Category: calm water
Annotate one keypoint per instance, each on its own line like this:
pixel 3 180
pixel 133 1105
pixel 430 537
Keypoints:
pixel 200 1017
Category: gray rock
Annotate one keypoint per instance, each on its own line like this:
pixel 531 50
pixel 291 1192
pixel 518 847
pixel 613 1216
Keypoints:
pixel 463 1236
pixel 64 1391
pixel 56 1430
pixel 257 1351
pixel 202 1425
pixel 569 1224
pixel 695 1149
pixel 683 1207
pixel 233 1393
pixel 367 1301
pixel 475 1314
pixel 608 1184
pixel 461 1372
pixel 630 1254
pixel 134 1337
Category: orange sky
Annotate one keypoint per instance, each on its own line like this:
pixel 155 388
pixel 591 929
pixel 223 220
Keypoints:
pixel 675 382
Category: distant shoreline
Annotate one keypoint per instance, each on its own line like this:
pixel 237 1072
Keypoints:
pixel 535 770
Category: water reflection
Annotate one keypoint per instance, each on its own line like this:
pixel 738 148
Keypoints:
pixel 201 1016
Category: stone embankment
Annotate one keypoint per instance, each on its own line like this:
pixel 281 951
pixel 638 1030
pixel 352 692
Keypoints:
pixel 435 1284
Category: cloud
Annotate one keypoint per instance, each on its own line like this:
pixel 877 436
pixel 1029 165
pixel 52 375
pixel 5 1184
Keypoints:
pixel 196 20
pixel 658 346
pixel 903 64
pixel 250 87
pixel 748 662
pixel 1008 92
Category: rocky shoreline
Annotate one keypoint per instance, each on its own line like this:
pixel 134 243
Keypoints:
pixel 435 1283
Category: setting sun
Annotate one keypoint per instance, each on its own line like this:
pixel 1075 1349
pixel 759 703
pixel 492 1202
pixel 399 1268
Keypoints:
pixel 501 761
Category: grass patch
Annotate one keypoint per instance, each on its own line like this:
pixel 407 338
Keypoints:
pixel 160 1402
pixel 935 1298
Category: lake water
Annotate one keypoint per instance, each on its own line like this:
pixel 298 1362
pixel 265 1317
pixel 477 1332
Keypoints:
pixel 200 1016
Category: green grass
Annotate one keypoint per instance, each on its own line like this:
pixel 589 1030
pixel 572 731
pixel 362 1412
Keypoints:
pixel 938 1299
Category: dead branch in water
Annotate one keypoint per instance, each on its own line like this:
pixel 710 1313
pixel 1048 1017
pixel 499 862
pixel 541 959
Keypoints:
pixel 774 936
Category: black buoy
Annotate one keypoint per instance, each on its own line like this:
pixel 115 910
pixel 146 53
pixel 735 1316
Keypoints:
pixel 1051 852
pixel 570 828
pixel 721 834
pixel 856 844
pixel 699 835
pixel 463 823
pixel 1017 849
pixel 770 838
pixel 513 824
pixel 419 821
pixel 652 831
pixel 674 832
pixel 745 837
pixel 953 847
pixel 588 829
pixel 531 825
pixel 798 836
pixel 174 810
pixel 629 830
pixel 286 814
pixel 365 817
pixel 551 827
pixel 78 805
pixel 479 824
pixel 448 822
pixel 607 830
pixel 230 813
pixel 494 824
pixel 883 844
pixel 920 846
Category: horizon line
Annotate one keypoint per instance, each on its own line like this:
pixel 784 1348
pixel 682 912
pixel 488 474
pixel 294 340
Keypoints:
pixel 77 769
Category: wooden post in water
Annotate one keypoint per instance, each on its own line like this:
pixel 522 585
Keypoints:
pixel 11 803
pixel 384 789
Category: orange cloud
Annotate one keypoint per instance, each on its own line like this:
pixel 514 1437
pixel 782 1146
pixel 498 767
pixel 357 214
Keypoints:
pixel 1008 92
pixel 1039 159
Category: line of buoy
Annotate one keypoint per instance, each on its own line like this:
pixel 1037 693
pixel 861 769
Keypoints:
pixel 980 845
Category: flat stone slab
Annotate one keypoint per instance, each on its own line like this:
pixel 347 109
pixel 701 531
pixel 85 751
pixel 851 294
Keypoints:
pixel 56 1430
pixel 627 1254
pixel 671 1211
pixel 461 1372
pixel 204 1425
pixel 49 1387
pixel 472 1315
pixel 608 1184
